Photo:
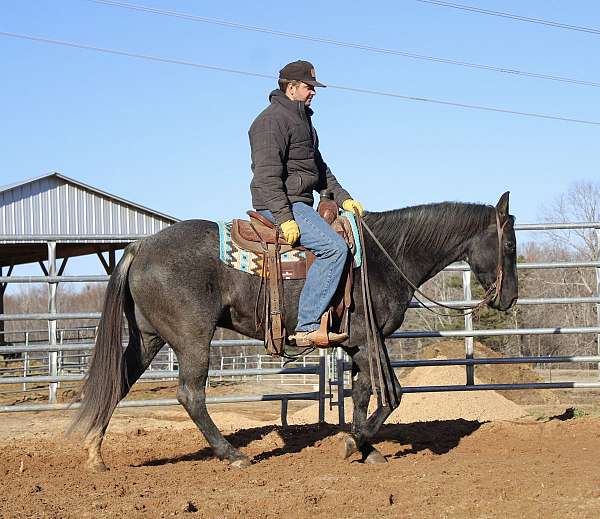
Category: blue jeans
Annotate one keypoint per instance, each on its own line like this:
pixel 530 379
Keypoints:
pixel 323 278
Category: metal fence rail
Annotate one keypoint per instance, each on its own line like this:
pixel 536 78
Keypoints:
pixel 469 333
pixel 340 365
pixel 318 370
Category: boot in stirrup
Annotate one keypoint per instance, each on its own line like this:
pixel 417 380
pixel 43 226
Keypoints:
pixel 318 338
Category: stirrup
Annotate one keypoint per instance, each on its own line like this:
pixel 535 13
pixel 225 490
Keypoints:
pixel 315 338
pixel 320 337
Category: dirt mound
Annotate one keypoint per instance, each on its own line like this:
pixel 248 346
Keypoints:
pixel 469 405
pixel 424 407
pixel 494 373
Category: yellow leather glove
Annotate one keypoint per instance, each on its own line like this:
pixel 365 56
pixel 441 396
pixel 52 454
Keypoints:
pixel 350 205
pixel 291 231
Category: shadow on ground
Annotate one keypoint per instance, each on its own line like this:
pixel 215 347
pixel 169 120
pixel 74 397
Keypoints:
pixel 438 437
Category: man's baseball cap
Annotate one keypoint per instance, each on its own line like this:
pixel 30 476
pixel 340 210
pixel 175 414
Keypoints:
pixel 301 71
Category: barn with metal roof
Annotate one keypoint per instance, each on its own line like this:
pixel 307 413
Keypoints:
pixel 79 218
pixel 56 217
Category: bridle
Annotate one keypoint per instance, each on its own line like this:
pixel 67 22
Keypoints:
pixel 492 293
pixel 380 368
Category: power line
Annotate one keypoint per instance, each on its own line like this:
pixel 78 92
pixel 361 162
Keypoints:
pixel 479 10
pixel 351 45
pixel 134 55
pixel 268 76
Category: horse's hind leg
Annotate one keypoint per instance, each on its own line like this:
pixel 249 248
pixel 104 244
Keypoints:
pixel 138 355
pixel 193 358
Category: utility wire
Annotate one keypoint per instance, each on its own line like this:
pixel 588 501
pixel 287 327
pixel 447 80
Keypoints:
pixel 351 45
pixel 479 10
pixel 134 55
pixel 268 76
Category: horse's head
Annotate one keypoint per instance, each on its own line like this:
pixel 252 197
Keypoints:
pixel 492 256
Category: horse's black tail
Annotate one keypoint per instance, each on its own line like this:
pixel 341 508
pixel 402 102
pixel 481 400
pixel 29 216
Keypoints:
pixel 106 380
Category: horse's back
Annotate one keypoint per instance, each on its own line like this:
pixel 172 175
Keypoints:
pixel 182 244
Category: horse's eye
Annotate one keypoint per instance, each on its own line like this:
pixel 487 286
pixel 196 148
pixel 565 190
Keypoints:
pixel 509 246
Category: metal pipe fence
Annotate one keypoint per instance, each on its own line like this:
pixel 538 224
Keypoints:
pixel 469 362
pixel 313 368
pixel 328 367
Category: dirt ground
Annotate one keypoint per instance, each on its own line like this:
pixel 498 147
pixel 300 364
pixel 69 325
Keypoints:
pixel 161 467
pixel 484 454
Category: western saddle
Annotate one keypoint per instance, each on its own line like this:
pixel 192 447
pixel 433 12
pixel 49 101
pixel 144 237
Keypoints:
pixel 261 236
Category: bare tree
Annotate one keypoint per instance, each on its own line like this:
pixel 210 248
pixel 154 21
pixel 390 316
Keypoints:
pixel 581 203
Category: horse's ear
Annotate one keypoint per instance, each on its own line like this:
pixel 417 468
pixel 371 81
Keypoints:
pixel 502 206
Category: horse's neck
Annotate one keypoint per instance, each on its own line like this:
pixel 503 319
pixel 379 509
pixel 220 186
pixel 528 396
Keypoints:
pixel 427 270
pixel 421 263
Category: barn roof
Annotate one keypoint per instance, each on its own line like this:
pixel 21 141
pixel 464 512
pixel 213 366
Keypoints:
pixel 86 219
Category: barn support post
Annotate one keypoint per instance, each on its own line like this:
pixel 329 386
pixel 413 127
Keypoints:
pixel 2 291
pixel 52 353
pixel 109 266
pixel 468 326
pixel 112 260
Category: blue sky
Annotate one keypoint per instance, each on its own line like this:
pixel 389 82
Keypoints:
pixel 174 138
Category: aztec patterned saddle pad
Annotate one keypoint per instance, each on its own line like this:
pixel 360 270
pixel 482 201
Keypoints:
pixel 246 261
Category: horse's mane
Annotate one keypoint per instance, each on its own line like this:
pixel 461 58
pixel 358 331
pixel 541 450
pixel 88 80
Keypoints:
pixel 438 226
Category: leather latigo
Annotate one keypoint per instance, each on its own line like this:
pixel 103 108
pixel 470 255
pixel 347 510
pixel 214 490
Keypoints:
pixel 293 269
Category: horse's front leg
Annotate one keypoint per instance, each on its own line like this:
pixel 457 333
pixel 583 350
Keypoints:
pixel 363 429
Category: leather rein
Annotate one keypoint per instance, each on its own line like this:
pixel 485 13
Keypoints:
pixel 380 369
pixel 491 293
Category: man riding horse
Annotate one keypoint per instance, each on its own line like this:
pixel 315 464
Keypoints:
pixel 287 167
pixel 173 288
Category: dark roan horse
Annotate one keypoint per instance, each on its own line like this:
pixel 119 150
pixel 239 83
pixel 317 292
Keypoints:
pixel 173 289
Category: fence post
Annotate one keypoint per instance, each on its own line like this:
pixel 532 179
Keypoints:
pixel 598 293
pixel 25 368
pixel 284 410
pixel 322 374
pixel 259 365
pixel 466 275
pixel 61 355
pixel 304 379
pixel 52 354
pixel 171 363
pixel 339 364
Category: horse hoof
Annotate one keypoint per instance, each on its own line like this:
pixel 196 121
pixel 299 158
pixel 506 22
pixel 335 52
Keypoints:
pixel 242 463
pixel 348 447
pixel 97 467
pixel 375 458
